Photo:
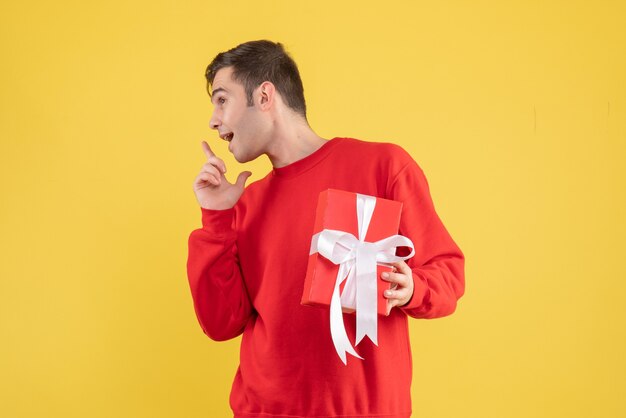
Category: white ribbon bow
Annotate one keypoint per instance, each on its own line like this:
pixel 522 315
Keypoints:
pixel 357 261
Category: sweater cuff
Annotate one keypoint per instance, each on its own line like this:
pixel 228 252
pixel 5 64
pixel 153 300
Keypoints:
pixel 218 221
pixel 420 288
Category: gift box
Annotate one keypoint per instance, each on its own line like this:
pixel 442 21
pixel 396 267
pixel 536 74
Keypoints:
pixel 337 210
pixel 354 241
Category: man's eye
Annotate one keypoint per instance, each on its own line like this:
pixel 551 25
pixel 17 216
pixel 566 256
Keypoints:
pixel 221 100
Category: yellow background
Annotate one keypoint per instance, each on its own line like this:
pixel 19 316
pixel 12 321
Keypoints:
pixel 516 111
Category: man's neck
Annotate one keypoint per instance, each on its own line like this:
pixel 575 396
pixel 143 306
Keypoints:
pixel 292 142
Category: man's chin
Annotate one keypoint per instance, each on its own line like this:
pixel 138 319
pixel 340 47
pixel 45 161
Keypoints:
pixel 244 158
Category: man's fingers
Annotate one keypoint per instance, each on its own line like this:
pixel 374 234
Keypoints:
pixel 402 267
pixel 396 294
pixel 241 179
pixel 212 179
pixel 207 150
pixel 207 177
pixel 402 279
pixel 211 169
pixel 212 158
pixel 218 162
pixel 398 278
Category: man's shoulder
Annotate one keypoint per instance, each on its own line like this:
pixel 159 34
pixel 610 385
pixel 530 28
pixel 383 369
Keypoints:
pixel 376 149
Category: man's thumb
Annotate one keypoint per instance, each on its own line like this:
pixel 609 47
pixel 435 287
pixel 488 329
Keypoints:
pixel 242 177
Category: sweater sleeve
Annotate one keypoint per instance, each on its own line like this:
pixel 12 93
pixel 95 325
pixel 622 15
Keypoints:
pixel 220 298
pixel 438 264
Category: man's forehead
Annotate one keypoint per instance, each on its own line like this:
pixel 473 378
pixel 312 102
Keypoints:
pixel 223 80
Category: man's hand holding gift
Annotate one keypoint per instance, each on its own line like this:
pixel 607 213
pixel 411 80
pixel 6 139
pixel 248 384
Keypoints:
pixel 402 278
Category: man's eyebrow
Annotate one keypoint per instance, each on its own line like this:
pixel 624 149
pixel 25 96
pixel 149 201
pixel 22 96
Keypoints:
pixel 217 90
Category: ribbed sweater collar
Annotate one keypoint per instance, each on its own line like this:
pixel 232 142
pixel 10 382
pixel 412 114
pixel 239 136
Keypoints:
pixel 306 163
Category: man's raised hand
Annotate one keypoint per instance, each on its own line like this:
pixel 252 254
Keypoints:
pixel 212 189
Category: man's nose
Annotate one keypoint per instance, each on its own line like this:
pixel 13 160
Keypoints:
pixel 214 123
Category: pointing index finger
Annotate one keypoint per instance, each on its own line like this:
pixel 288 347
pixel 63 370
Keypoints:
pixel 207 149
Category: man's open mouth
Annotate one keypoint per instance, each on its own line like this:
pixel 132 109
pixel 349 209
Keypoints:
pixel 228 137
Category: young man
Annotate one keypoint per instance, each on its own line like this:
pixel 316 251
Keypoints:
pixel 246 265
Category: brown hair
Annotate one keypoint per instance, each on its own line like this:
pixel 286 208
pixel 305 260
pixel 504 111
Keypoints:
pixel 257 61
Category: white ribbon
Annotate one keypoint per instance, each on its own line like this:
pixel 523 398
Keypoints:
pixel 357 261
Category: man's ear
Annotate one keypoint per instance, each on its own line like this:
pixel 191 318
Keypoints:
pixel 266 96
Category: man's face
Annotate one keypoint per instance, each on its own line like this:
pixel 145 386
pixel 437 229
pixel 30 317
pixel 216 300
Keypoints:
pixel 246 127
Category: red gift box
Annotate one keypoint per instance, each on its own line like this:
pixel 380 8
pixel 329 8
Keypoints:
pixel 337 210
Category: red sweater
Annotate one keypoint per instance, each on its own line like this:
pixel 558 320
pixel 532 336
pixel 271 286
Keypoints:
pixel 246 269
